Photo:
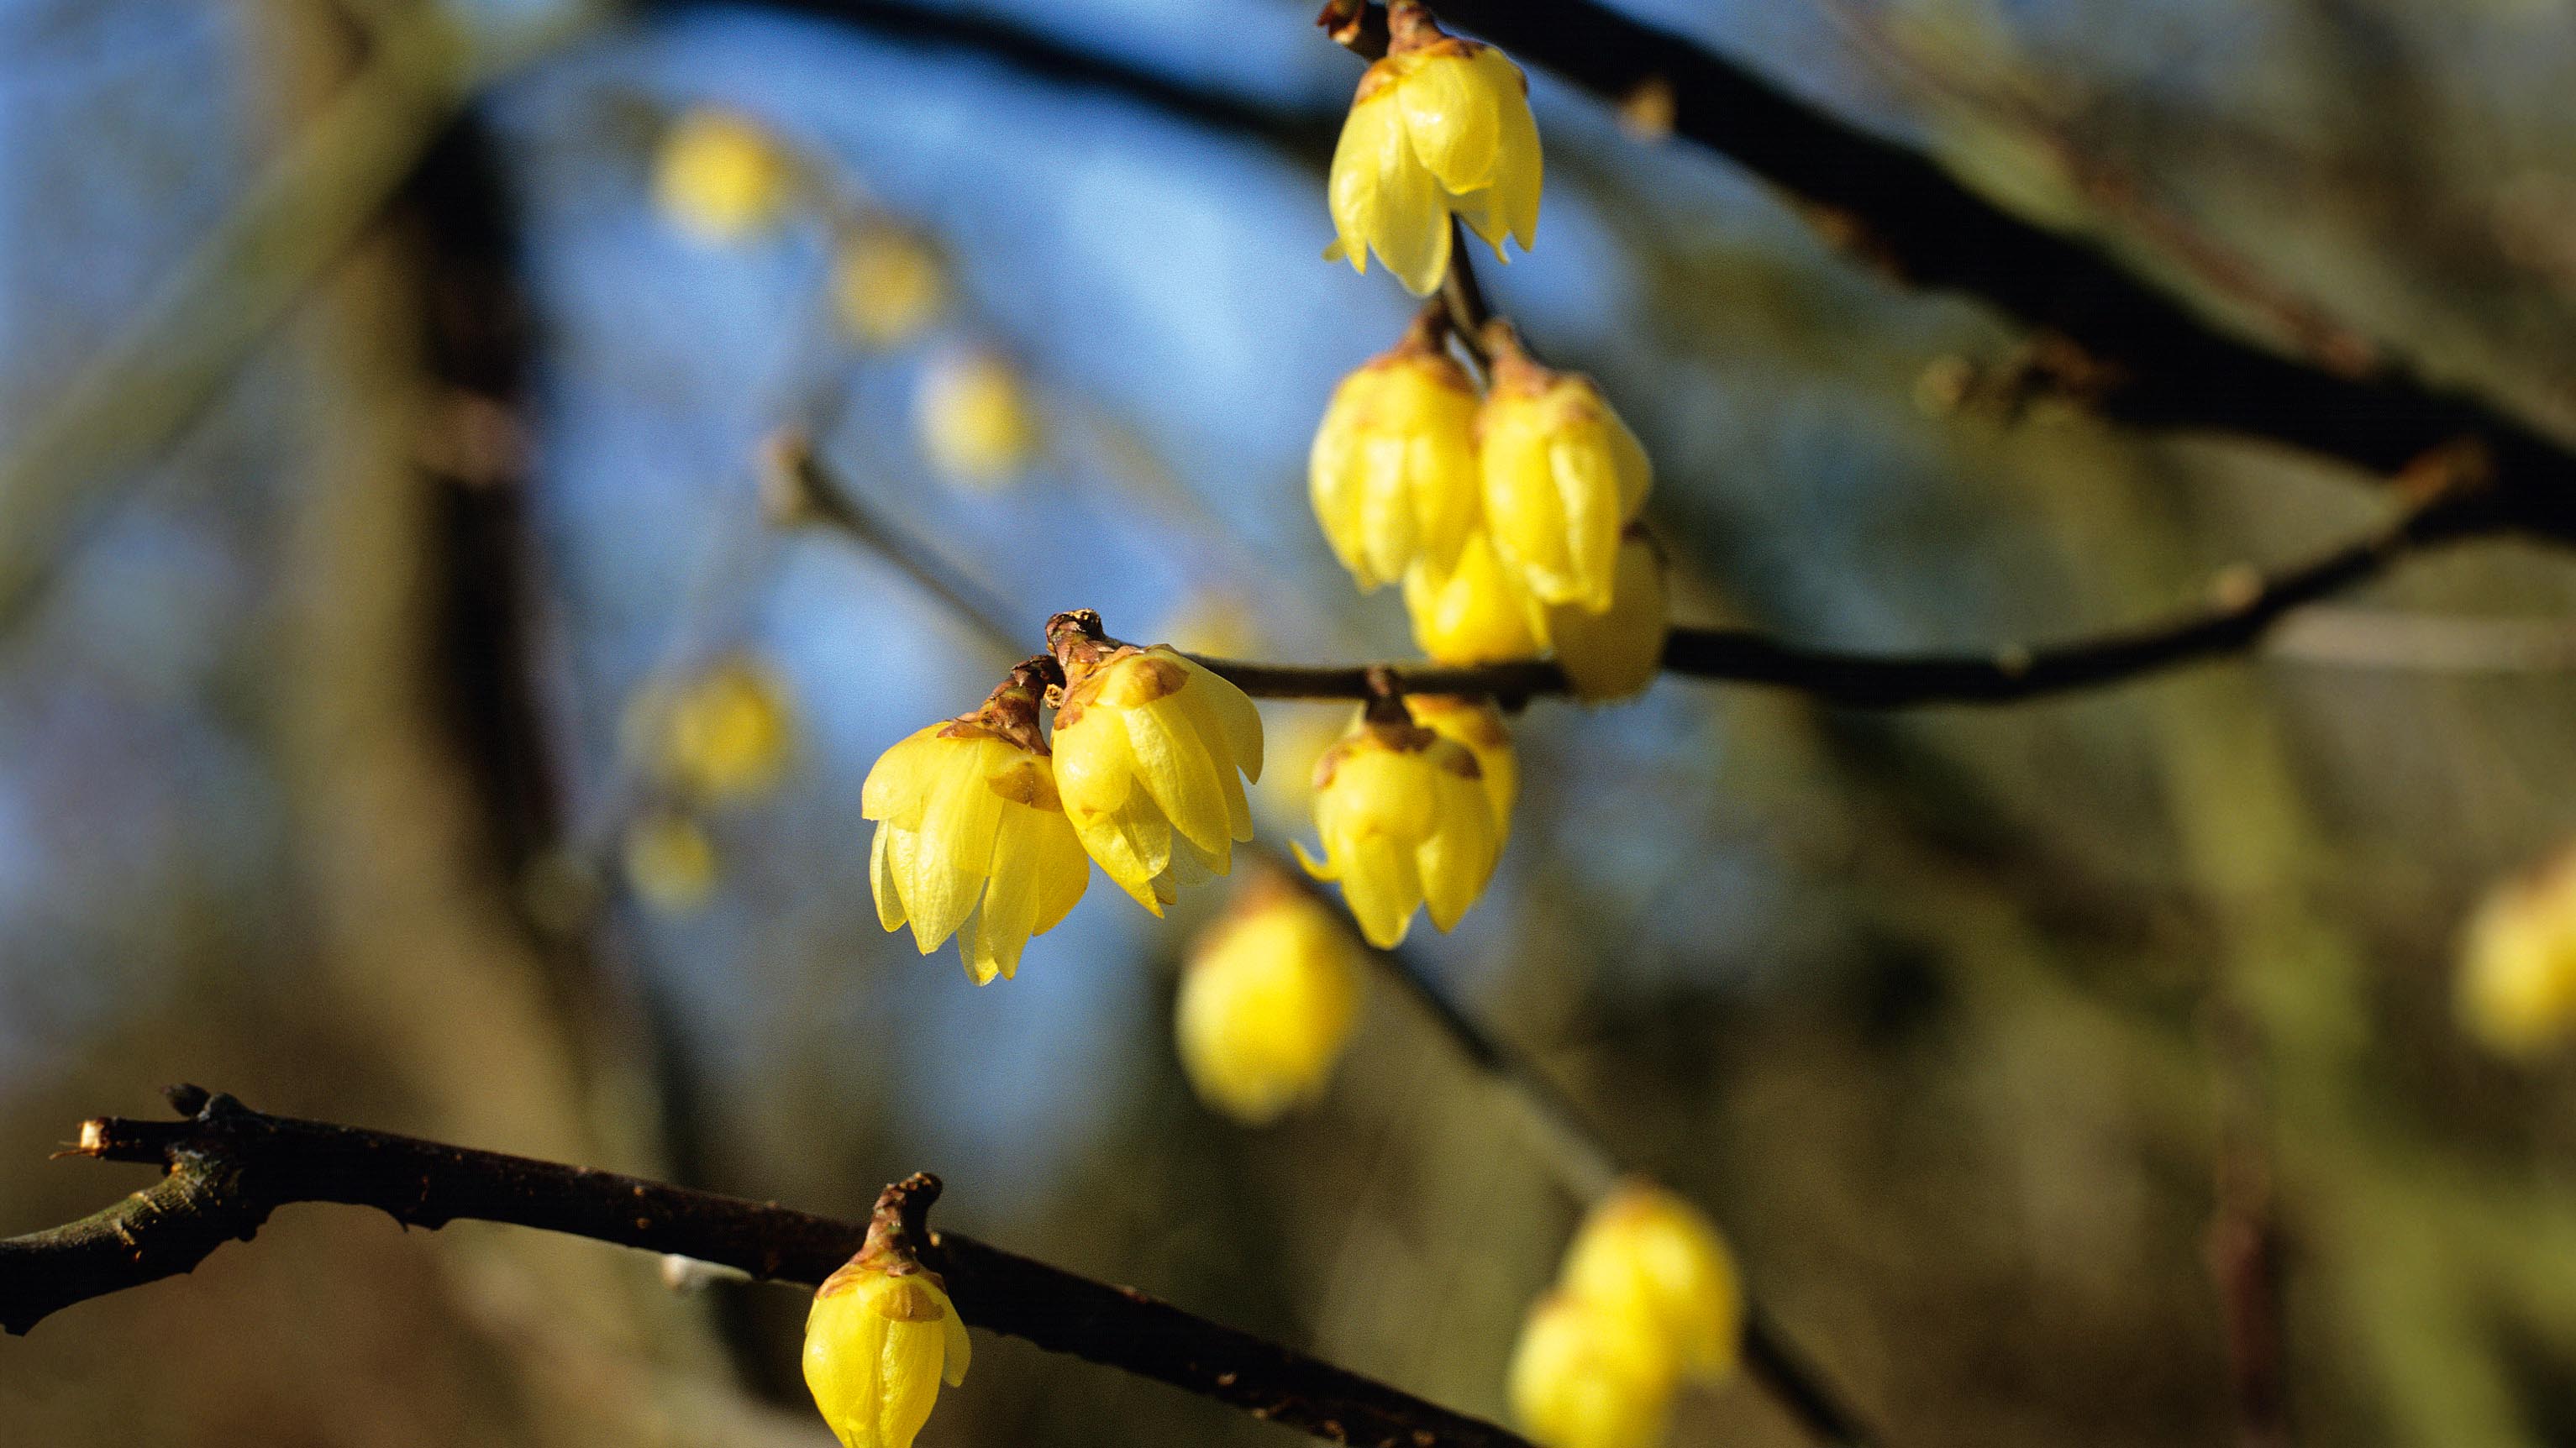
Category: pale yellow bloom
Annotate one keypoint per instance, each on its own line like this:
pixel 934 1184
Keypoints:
pixel 1645 1254
pixel 975 420
pixel 726 733
pixel 1563 476
pixel 972 839
pixel 888 284
pixel 1616 653
pixel 1440 126
pixel 1266 1004
pixel 1475 613
pixel 1477 724
pixel 1147 748
pixel 1393 469
pixel 719 176
pixel 670 862
pixel 2517 977
pixel 877 1346
pixel 1405 820
pixel 1586 1377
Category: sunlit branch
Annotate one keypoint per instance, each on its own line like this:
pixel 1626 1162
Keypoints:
pixel 230 1167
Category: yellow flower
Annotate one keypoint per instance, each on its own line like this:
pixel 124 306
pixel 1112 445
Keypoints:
pixel 971 837
pixel 878 1344
pixel 1647 1255
pixel 1617 652
pixel 670 861
pixel 1440 126
pixel 1393 468
pixel 1477 724
pixel 725 734
pixel 2517 980
pixel 1405 820
pixel 720 177
pixel 1266 1004
pixel 1475 613
pixel 1563 475
pixel 975 420
pixel 1147 747
pixel 1586 1377
pixel 888 284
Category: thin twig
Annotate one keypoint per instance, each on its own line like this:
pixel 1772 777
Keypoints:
pixel 230 1167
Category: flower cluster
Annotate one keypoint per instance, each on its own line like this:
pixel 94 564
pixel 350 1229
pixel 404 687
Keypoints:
pixel 987 826
pixel 723 735
pixel 1647 1299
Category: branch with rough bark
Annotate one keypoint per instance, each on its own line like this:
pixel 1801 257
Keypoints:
pixel 229 1167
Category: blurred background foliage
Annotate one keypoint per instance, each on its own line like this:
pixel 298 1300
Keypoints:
pixel 377 467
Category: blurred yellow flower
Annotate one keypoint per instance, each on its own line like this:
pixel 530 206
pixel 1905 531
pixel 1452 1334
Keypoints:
pixel 1563 476
pixel 1616 653
pixel 1147 748
pixel 971 837
pixel 726 733
pixel 975 419
pixel 719 177
pixel 1646 1255
pixel 888 283
pixel 1584 1376
pixel 1266 1003
pixel 2517 976
pixel 1405 819
pixel 670 862
pixel 1475 613
pixel 1440 126
pixel 877 1346
pixel 1393 469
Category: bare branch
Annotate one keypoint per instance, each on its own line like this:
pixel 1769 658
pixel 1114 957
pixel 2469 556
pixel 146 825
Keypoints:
pixel 230 1167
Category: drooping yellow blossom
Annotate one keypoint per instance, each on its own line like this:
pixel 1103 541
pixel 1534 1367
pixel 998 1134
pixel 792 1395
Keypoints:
pixel 720 177
pixel 975 420
pixel 1393 469
pixel 888 284
pixel 1645 1254
pixel 726 733
pixel 1405 819
pixel 2517 978
pixel 1563 476
pixel 1266 1003
pixel 1440 126
pixel 1616 653
pixel 1475 613
pixel 1584 1376
pixel 1147 748
pixel 1477 724
pixel 878 1343
pixel 972 839
pixel 670 862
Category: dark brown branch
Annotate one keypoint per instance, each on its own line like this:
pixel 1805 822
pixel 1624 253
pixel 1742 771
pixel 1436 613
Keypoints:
pixel 230 1167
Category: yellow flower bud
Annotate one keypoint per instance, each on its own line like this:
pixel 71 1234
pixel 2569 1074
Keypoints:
pixel 1441 125
pixel 2517 979
pixel 877 1346
pixel 1586 1377
pixel 1393 468
pixel 1266 1004
pixel 1617 652
pixel 888 283
pixel 1563 476
pixel 670 862
pixel 975 420
pixel 1647 1255
pixel 1405 819
pixel 1476 613
pixel 1147 747
pixel 1477 724
pixel 720 177
pixel 972 839
pixel 726 734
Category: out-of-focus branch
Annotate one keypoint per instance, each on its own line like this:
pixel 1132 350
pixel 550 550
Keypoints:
pixel 230 1167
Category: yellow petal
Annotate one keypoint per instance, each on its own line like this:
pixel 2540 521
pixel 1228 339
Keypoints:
pixel 1174 764
pixel 1450 115
pixel 881 882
